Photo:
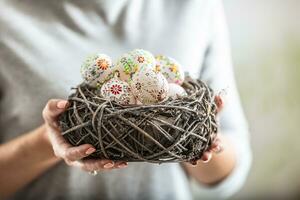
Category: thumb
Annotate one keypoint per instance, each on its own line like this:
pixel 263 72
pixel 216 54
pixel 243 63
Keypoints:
pixel 53 109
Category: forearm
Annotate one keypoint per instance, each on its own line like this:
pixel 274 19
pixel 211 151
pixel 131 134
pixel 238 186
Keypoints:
pixel 218 168
pixel 23 159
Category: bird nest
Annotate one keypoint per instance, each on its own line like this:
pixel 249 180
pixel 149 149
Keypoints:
pixel 176 130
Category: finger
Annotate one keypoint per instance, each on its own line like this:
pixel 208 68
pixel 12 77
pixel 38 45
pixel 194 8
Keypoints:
pixel 217 149
pixel 216 142
pixel 217 145
pixel 193 162
pixel 120 165
pixel 53 109
pixel 58 142
pixel 213 146
pixel 98 165
pixel 219 102
pixel 91 165
pixel 206 157
pixel 79 152
pixel 78 163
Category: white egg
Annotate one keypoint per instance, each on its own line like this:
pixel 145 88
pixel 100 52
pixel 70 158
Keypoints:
pixel 176 91
pixel 131 62
pixel 149 86
pixel 117 90
pixel 170 68
pixel 96 69
pixel 143 58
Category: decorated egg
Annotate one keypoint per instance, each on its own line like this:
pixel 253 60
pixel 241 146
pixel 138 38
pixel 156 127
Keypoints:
pixel 170 68
pixel 176 91
pixel 96 69
pixel 143 58
pixel 149 86
pixel 117 90
pixel 132 62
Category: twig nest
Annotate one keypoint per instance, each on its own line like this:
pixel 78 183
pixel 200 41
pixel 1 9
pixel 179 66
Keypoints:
pixel 132 62
pixel 149 86
pixel 175 130
pixel 145 110
pixel 117 90
pixel 170 68
pixel 96 69
pixel 176 91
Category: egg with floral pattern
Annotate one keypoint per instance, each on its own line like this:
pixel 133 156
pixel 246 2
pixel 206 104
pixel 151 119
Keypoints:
pixel 131 62
pixel 176 91
pixel 96 69
pixel 117 90
pixel 149 86
pixel 170 68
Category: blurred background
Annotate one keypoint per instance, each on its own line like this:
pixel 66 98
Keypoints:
pixel 265 37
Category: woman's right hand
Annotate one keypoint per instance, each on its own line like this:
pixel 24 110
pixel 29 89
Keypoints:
pixel 62 149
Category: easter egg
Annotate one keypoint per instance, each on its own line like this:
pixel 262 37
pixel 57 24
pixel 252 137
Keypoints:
pixel 149 86
pixel 176 91
pixel 143 58
pixel 170 68
pixel 117 90
pixel 131 62
pixel 96 69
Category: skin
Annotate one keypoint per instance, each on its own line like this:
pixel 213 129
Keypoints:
pixel 217 162
pixel 27 157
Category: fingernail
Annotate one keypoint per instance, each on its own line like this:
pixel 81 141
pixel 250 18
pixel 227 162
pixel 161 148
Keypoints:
pixel 205 160
pixel 123 165
pixel 219 102
pixel 90 150
pixel 108 165
pixel 194 162
pixel 62 104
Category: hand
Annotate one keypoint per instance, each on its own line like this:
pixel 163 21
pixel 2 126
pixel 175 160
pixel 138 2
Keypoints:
pixel 70 154
pixel 216 146
pixel 213 167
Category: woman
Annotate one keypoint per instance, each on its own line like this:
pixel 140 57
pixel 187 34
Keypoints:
pixel 42 44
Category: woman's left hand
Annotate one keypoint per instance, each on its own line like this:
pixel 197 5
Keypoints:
pixel 216 146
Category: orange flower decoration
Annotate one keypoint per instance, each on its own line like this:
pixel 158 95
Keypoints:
pixel 141 59
pixel 173 68
pixel 102 64
pixel 157 68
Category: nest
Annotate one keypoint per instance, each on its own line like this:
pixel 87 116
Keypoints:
pixel 177 130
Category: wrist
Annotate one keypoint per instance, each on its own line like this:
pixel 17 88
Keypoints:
pixel 43 142
pixel 217 169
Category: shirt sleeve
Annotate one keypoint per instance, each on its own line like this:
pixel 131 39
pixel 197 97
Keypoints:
pixel 217 71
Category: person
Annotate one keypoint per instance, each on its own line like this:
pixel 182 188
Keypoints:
pixel 43 42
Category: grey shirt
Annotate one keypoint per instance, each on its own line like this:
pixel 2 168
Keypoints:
pixel 42 44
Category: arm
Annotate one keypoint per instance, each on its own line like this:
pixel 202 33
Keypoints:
pixel 215 165
pixel 23 159
pixel 27 157
pixel 227 170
